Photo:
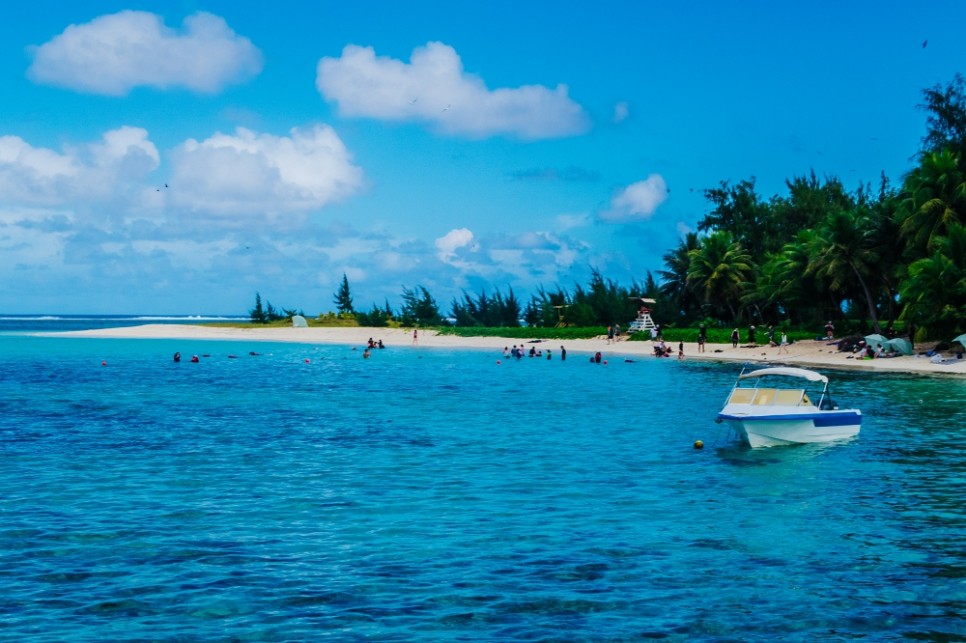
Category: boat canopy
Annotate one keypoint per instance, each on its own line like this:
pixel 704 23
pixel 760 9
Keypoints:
pixel 788 371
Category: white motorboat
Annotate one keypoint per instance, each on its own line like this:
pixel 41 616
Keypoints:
pixel 764 413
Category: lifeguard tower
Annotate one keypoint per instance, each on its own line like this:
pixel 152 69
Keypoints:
pixel 643 321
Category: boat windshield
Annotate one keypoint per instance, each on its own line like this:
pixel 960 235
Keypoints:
pixel 769 397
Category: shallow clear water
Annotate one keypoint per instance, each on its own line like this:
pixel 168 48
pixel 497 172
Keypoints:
pixel 308 494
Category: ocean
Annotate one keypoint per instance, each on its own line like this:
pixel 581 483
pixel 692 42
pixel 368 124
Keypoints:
pixel 303 493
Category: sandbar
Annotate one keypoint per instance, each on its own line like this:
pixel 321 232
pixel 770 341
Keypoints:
pixel 808 353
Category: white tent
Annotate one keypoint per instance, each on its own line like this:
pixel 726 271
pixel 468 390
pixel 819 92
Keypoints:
pixel 299 322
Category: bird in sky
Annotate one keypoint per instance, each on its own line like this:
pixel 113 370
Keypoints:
pixel 924 43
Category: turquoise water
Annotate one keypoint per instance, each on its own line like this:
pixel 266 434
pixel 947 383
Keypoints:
pixel 306 494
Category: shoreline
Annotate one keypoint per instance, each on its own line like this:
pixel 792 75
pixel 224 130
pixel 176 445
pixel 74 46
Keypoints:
pixel 809 353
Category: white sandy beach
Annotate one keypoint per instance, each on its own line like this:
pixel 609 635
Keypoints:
pixel 810 354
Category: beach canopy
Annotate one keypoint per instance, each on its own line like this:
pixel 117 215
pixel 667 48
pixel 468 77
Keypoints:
pixel 299 322
pixel 875 338
pixel 961 339
pixel 899 345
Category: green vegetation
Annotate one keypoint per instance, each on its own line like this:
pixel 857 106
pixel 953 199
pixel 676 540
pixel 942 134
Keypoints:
pixel 267 314
pixel 867 259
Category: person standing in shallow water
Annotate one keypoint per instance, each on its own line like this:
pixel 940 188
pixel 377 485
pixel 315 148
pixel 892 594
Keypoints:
pixel 563 353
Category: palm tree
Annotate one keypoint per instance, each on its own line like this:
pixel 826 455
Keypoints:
pixel 720 269
pixel 934 198
pixel 842 253
pixel 674 280
pixel 934 292
pixel 784 283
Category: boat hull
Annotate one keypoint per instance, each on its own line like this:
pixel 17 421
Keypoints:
pixel 794 428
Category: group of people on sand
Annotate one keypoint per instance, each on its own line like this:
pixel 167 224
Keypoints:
pixel 781 344
pixel 663 349
pixel 613 333
pixel 519 351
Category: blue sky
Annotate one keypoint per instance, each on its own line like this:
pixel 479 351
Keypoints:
pixel 177 157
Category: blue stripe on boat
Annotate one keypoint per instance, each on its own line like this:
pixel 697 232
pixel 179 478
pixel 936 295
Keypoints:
pixel 823 419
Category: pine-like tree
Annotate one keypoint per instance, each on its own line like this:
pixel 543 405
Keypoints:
pixel 343 297
pixel 257 313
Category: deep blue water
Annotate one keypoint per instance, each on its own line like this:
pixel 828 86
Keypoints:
pixel 306 494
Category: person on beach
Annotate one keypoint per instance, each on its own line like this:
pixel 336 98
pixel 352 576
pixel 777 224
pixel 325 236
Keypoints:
pixel 415 336
pixel 751 335
pixel 702 337
pixel 771 335
pixel 784 344
pixel 829 330
pixel 610 334
pixel 735 338
pixel 680 350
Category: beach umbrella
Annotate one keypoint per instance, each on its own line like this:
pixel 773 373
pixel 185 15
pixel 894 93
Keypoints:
pixel 899 345
pixel 961 339
pixel 874 339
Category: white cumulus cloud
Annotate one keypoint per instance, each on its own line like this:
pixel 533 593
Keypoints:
pixel 107 170
pixel 433 87
pixel 448 244
pixel 115 53
pixel 251 173
pixel 637 201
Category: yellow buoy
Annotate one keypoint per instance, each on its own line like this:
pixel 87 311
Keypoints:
pixel 698 444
